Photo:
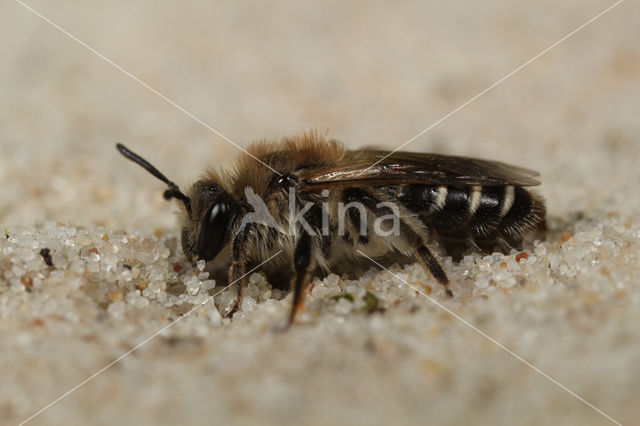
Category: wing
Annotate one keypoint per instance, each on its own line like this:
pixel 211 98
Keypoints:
pixel 385 168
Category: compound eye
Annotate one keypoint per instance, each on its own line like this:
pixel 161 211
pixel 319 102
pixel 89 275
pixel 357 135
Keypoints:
pixel 213 231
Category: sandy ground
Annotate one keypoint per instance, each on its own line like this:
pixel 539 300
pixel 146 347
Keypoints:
pixel 373 74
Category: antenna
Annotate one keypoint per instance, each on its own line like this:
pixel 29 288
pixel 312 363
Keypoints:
pixel 172 192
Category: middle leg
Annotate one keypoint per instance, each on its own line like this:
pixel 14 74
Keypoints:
pixel 303 263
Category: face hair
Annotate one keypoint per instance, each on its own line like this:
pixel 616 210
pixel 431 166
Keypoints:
pixel 172 192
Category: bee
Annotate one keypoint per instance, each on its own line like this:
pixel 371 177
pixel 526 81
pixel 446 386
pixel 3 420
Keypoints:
pixel 323 207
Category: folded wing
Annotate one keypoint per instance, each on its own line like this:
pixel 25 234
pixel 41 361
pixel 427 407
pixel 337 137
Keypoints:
pixel 385 168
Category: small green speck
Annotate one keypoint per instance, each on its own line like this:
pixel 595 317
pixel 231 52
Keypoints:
pixel 347 296
pixel 371 303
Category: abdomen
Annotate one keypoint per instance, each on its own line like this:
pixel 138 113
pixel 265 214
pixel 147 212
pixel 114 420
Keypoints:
pixel 478 214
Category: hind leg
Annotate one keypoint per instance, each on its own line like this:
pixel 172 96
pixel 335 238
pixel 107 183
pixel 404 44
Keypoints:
pixel 428 260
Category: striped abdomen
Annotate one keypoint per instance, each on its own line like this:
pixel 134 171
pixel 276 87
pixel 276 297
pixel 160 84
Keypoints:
pixel 477 213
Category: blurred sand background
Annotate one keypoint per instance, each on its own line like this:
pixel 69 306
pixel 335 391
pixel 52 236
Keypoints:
pixel 372 73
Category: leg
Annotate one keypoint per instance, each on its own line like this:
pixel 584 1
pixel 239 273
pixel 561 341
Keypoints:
pixel 303 264
pixel 504 245
pixel 238 266
pixel 431 263
pixel 414 237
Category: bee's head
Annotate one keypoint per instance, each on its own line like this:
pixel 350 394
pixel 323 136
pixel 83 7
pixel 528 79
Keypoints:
pixel 205 229
pixel 207 211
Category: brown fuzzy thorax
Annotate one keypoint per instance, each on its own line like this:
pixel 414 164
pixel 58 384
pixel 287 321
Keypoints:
pixel 303 151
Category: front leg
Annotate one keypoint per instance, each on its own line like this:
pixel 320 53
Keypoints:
pixel 303 263
pixel 237 270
